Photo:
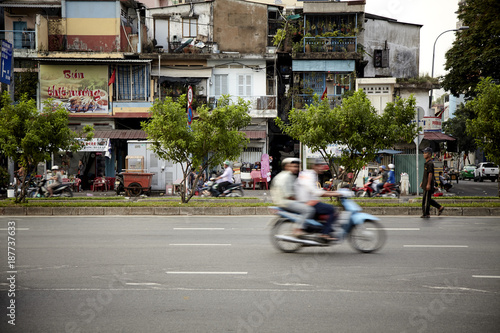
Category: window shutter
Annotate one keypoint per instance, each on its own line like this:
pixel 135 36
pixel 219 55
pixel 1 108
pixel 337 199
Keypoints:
pixel 385 58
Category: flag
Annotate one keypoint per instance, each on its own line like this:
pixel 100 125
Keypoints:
pixel 112 78
pixel 324 94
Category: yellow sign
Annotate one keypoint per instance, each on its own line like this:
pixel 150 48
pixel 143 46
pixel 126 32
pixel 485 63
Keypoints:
pixel 79 88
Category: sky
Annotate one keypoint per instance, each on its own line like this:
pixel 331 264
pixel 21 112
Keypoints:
pixel 436 16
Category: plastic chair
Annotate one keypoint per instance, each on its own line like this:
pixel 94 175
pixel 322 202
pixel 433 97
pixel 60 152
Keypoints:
pixel 100 183
pixel 76 184
pixel 257 178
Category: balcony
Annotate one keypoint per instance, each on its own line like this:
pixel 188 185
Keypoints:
pixel 330 44
pixel 20 39
pixel 260 106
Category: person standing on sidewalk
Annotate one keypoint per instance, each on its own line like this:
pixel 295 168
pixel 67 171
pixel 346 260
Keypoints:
pixel 428 186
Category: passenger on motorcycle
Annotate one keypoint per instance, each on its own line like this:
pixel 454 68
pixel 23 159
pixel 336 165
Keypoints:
pixel 283 193
pixel 226 178
pixel 392 176
pixel 383 176
pixel 309 193
pixel 57 178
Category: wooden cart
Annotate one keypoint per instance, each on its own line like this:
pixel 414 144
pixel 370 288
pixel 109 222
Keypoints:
pixel 136 183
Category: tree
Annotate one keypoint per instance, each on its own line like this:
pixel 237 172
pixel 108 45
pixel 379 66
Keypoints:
pixel 485 128
pixel 29 136
pixel 212 138
pixel 354 126
pixel 476 51
pixel 456 127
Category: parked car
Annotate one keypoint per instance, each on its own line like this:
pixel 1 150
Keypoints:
pixel 486 170
pixel 467 172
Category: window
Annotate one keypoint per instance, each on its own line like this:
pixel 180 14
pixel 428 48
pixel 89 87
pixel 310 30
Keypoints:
pixel 220 84
pixel 189 27
pixel 381 58
pixel 245 85
pixel 132 82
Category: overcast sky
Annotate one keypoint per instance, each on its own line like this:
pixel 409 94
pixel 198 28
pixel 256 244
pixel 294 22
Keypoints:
pixel 436 16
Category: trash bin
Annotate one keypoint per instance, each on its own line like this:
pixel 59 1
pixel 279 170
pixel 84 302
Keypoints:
pixel 405 184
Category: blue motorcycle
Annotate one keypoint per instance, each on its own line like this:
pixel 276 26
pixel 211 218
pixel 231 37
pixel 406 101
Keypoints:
pixel 362 230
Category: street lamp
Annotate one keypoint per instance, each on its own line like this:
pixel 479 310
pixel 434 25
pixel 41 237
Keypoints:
pixel 465 27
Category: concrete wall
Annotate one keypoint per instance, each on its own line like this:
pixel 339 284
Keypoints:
pixel 240 26
pixel 403 41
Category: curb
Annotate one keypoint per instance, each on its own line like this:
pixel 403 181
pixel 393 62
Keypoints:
pixel 173 211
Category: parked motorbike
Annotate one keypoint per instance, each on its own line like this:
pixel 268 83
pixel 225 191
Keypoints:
pixel 119 184
pixel 63 190
pixel 362 230
pixel 211 189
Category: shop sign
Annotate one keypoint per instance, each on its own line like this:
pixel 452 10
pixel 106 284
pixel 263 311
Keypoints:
pixel 334 149
pixel 432 124
pixel 94 145
pixel 78 88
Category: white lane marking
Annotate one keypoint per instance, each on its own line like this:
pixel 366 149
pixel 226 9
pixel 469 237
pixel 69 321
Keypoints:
pixel 441 246
pixel 458 288
pixel 486 276
pixel 291 284
pixel 17 229
pixel 198 228
pixel 395 229
pixel 200 244
pixel 142 284
pixel 211 273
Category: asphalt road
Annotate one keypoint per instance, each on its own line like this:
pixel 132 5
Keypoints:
pixel 221 274
pixel 471 188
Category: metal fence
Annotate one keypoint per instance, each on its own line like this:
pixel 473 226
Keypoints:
pixel 407 163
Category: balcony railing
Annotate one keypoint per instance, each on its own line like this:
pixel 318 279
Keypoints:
pixel 300 101
pixel 330 44
pixel 260 106
pixel 20 39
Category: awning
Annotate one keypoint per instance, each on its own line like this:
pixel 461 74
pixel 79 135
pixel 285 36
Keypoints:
pixel 437 136
pixel 31 4
pixel 121 134
pixel 389 151
pixel 255 134
pixel 197 72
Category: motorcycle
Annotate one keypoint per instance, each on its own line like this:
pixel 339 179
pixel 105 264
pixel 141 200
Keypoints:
pixel 211 190
pixel 362 230
pixel 369 188
pixel 119 184
pixel 63 190
pixel 390 190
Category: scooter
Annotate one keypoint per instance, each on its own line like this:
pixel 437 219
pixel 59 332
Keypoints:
pixel 119 185
pixel 369 188
pixel 63 190
pixel 390 190
pixel 362 230
pixel 211 189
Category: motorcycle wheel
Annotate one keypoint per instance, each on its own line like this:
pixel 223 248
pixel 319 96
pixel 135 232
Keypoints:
pixel 367 237
pixel 361 194
pixel 32 194
pixel 67 193
pixel 236 193
pixel 282 226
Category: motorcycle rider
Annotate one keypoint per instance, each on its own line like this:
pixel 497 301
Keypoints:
pixel 57 178
pixel 225 179
pixel 383 176
pixel 283 193
pixel 309 193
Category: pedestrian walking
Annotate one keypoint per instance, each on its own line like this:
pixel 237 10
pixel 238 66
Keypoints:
pixel 428 185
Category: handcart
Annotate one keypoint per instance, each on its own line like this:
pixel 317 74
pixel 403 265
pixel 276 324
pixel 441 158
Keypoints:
pixel 136 183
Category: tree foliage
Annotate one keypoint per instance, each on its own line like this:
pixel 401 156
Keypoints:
pixel 476 51
pixel 29 136
pixel 485 127
pixel 456 127
pixel 212 138
pixel 354 126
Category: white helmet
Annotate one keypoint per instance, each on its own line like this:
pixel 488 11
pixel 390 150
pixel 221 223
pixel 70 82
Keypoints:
pixel 290 160
pixel 391 166
pixel 55 167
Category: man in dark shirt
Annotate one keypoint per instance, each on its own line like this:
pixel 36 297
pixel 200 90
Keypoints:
pixel 428 186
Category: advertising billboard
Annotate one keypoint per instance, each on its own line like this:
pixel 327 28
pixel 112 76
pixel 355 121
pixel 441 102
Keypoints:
pixel 78 88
